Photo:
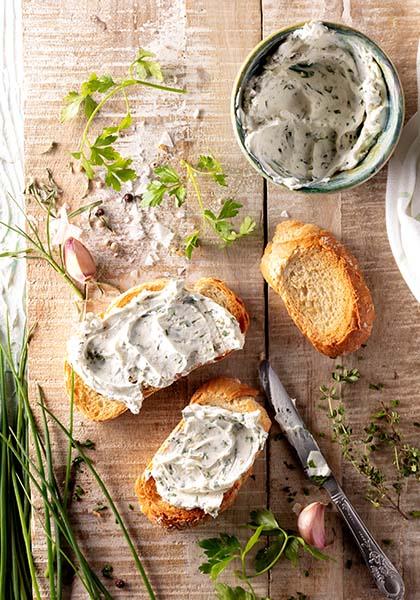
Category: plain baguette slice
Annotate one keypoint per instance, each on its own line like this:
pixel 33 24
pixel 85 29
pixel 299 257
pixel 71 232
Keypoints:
pixel 321 285
pixel 97 407
pixel 229 394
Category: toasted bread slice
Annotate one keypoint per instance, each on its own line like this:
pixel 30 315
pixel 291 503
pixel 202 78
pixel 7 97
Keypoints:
pixel 97 407
pixel 321 285
pixel 232 395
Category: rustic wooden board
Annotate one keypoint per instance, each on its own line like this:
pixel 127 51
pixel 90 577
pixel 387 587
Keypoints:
pixel 206 43
pixel 358 218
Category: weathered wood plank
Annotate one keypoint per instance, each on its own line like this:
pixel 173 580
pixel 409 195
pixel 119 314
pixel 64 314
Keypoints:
pixel 357 217
pixel 203 43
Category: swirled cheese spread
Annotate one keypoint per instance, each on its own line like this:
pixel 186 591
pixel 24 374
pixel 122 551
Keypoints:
pixel 155 338
pixel 206 455
pixel 316 108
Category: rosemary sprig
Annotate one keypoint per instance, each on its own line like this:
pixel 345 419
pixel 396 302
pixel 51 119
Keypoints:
pixel 383 434
pixel 171 184
pixel 93 95
pixel 46 193
pixel 38 243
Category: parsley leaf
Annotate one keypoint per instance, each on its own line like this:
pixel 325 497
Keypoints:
pixel 208 164
pixel 190 243
pixel 225 592
pixel 220 552
pixel 94 93
pixel 264 517
pixel 168 182
pixel 223 227
pixel 72 103
pixel 223 550
pixel 145 67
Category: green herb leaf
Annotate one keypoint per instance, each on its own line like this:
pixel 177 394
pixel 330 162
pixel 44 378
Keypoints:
pixel 268 556
pixel 208 164
pixel 94 93
pixel 145 66
pixel 225 592
pixel 220 552
pixel 264 517
pixel 291 551
pixel 315 552
pixel 190 243
pixel 167 174
pixel 168 182
pixel 72 103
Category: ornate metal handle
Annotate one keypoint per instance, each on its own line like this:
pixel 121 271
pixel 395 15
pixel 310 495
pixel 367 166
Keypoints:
pixel 386 576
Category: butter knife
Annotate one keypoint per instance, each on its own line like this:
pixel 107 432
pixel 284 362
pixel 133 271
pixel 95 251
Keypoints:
pixel 385 575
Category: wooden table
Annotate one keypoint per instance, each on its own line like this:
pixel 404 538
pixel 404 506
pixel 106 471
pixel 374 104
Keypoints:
pixel 208 40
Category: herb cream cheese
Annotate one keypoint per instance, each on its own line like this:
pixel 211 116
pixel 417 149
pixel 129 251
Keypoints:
pixel 316 108
pixel 151 341
pixel 206 455
pixel 317 465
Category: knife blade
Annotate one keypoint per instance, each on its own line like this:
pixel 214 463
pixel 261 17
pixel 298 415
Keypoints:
pixel 385 575
pixel 286 414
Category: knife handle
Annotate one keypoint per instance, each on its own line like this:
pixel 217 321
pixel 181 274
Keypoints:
pixel 386 577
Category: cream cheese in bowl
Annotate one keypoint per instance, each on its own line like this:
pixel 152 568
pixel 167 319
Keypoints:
pixel 314 107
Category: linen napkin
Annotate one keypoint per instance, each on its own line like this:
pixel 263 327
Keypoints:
pixel 403 200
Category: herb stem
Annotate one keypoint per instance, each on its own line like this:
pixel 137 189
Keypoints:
pixel 104 490
pixel 118 88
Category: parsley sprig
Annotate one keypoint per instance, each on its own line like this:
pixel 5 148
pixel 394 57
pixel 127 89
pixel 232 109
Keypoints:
pixel 173 185
pixel 92 96
pixel 226 549
pixel 381 436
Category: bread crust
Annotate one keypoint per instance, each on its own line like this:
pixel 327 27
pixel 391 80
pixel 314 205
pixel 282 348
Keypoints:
pixel 229 394
pixel 293 237
pixel 97 407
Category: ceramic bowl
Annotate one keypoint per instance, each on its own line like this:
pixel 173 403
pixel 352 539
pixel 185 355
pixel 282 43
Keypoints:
pixel 386 141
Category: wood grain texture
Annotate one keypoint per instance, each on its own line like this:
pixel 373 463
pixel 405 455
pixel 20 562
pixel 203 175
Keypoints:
pixel 63 42
pixel 357 217
pixel 206 43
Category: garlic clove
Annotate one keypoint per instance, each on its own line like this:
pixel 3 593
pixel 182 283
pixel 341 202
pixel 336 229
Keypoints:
pixel 61 229
pixel 311 525
pixel 78 261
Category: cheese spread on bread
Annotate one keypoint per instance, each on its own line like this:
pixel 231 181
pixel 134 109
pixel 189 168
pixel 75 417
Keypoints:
pixel 206 456
pixel 155 338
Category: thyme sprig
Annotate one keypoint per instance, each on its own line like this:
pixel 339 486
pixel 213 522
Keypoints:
pixel 173 185
pixel 226 549
pixel 93 95
pixel 382 434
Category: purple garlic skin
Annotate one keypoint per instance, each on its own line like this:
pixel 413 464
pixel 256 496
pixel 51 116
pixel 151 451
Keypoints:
pixel 78 261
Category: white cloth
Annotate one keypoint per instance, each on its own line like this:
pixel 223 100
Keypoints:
pixel 403 200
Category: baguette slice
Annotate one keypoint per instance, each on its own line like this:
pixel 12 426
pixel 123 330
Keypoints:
pixel 226 393
pixel 321 285
pixel 97 407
